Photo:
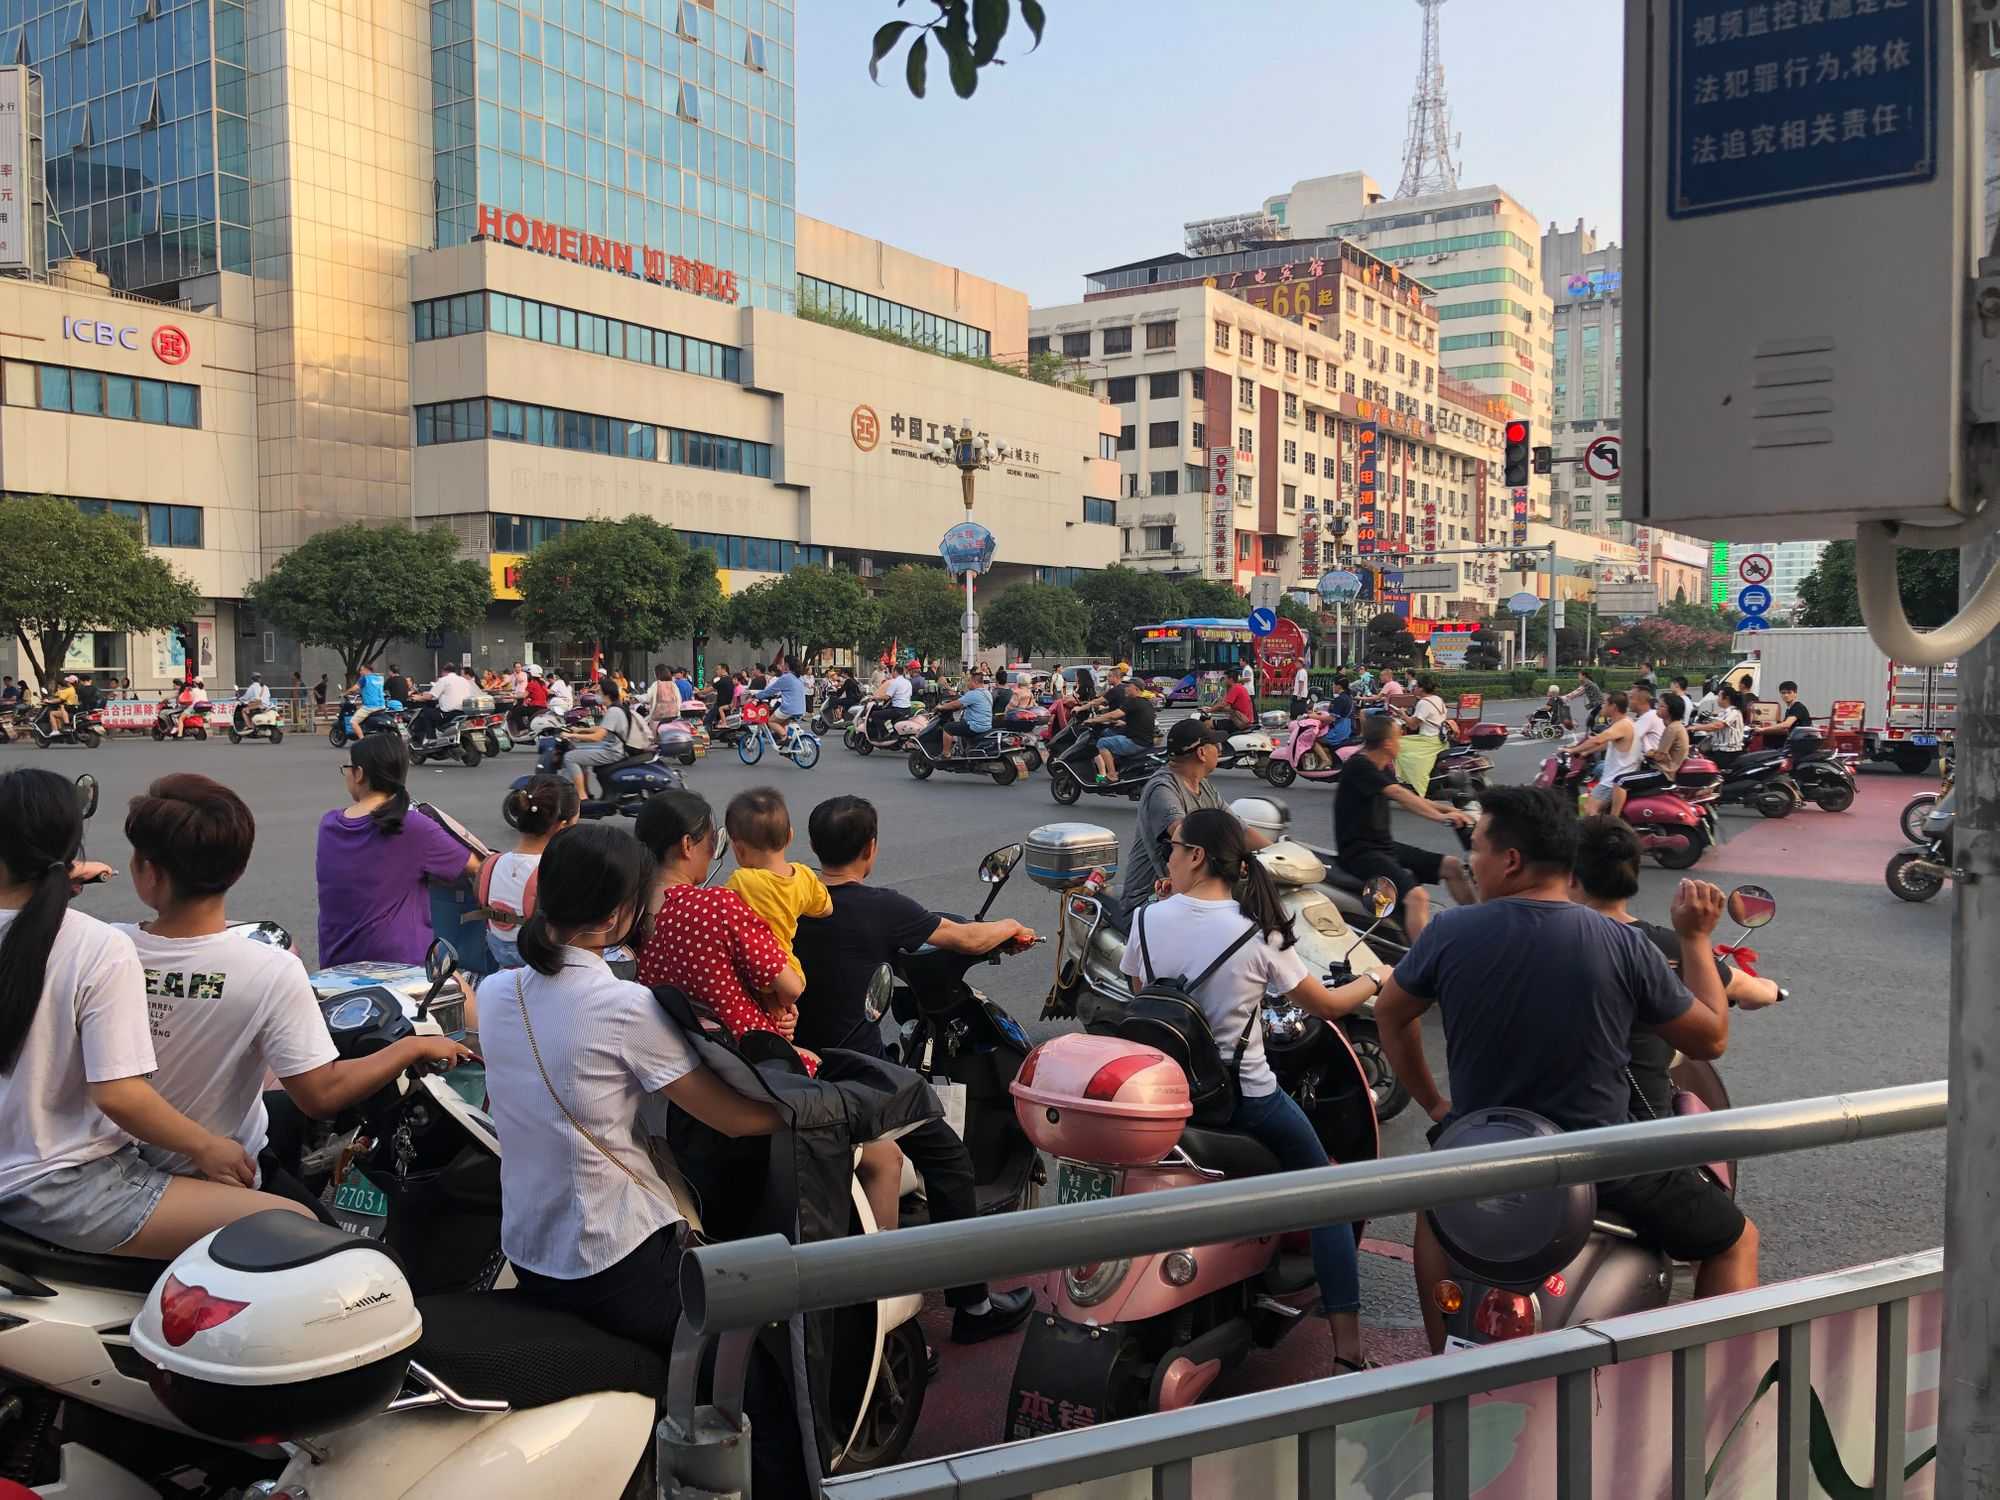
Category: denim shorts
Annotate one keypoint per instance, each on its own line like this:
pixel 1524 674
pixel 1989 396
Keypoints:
pixel 1121 747
pixel 95 1207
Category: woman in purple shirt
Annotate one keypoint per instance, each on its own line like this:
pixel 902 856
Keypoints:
pixel 373 859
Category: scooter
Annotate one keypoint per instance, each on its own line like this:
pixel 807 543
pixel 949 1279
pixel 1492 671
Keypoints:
pixel 385 720
pixel 85 728
pixel 1675 825
pixel 261 722
pixel 449 739
pixel 1005 756
pixel 869 728
pixel 1302 748
pixel 1822 774
pixel 1154 1332
pixel 490 733
pixel 1548 1258
pixel 679 741
pixel 172 711
pixel 1759 779
pixel 624 786
pixel 1920 871
pixel 1073 768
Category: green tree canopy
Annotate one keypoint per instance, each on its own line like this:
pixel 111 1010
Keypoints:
pixel 1119 600
pixel 806 611
pixel 1389 641
pixel 1036 619
pixel 356 588
pixel 67 573
pixel 921 608
pixel 628 585
pixel 1302 615
pixel 1197 597
pixel 1927 580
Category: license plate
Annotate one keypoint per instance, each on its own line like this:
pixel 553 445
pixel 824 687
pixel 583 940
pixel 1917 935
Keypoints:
pixel 1076 1183
pixel 1923 739
pixel 1453 1341
pixel 449 1015
pixel 361 1207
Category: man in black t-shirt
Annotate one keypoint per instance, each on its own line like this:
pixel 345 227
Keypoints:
pixel 1361 836
pixel 870 925
pixel 1797 715
pixel 1131 717
pixel 396 687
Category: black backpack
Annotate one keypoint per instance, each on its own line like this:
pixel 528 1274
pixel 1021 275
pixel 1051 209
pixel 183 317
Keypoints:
pixel 1166 1015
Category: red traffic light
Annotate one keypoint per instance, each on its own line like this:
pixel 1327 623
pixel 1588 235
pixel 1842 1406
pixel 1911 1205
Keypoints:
pixel 1517 432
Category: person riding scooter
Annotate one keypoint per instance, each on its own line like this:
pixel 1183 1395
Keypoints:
pixel 255 696
pixel 1361 802
pixel 973 709
pixel 1130 713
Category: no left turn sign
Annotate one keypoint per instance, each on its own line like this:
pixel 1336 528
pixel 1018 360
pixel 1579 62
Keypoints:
pixel 1600 459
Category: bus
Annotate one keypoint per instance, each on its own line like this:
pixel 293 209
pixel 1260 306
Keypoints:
pixel 1181 651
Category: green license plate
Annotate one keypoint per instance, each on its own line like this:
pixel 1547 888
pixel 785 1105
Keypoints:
pixel 1076 1183
pixel 357 1195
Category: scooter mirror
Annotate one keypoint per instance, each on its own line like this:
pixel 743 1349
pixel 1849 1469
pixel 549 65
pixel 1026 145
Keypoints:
pixel 440 961
pixel 86 793
pixel 881 991
pixel 997 866
pixel 1380 894
pixel 1752 906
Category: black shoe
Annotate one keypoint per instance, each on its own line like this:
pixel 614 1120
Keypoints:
pixel 1008 1312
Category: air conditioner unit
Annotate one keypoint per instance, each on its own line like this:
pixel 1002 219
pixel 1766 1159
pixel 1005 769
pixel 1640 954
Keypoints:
pixel 1180 549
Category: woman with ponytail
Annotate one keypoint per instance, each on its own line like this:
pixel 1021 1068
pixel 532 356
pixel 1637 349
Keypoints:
pixel 75 1049
pixel 1222 896
pixel 508 883
pixel 373 859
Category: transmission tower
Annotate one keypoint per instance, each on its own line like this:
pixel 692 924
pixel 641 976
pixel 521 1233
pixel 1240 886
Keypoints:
pixel 1429 161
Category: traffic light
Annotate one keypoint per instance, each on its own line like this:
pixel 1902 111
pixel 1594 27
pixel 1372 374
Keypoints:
pixel 1545 460
pixel 1517 456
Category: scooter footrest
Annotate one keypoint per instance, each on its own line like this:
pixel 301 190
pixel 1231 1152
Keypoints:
pixel 1289 1273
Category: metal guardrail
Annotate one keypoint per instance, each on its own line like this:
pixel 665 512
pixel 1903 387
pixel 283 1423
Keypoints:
pixel 746 1283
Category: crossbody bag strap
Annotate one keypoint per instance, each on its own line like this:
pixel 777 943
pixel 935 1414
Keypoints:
pixel 1243 1037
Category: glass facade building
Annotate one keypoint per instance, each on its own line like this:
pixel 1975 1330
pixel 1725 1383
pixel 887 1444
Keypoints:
pixel 663 123
pixel 145 106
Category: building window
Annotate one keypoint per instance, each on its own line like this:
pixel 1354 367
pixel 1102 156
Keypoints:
pixel 1291 361
pixel 1291 407
pixel 159 525
pixel 1270 354
pixel 1165 482
pixel 1312 367
pixel 1312 420
pixel 585 432
pixel 92 393
pixel 1243 442
pixel 1350 345
pixel 1243 546
pixel 1039 344
pixel 1107 445
pixel 1116 341
pixel 1122 390
pixel 1197 384
pixel 1222 337
pixel 1100 512
pixel 945 335
pixel 1246 393
pixel 543 322
pixel 1312 463
pixel 1128 438
pixel 1350 378
pixel 1160 335
pixel 1076 345
pixel 1163 435
pixel 1291 497
pixel 1158 538
pixel 1163 387
pixel 1291 451
pixel 1198 434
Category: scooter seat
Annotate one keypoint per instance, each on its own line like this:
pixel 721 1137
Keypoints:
pixel 500 1346
pixel 1228 1152
pixel 30 1257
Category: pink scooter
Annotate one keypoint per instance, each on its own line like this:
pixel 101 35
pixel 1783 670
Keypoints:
pixel 1300 751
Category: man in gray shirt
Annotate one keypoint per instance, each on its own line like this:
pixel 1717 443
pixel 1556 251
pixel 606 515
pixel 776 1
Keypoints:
pixel 1170 794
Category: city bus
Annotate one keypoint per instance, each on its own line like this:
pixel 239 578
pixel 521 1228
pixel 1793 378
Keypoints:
pixel 1182 651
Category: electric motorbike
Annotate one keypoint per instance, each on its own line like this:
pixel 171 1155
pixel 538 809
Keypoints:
pixel 1073 767
pixel 1675 825
pixel 1823 776
pixel 1759 779
pixel 623 785
pixel 383 720
pixel 85 728
pixel 1005 755
pixel 172 711
pixel 1303 749
pixel 869 728
pixel 1920 871
pixel 259 721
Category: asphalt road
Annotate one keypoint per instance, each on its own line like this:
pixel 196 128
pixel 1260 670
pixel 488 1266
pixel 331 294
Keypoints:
pixel 1868 973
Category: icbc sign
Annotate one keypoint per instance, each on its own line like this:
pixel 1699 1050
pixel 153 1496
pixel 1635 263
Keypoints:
pixel 170 345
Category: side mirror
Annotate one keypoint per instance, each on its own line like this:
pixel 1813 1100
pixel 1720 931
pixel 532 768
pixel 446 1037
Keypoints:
pixel 1752 906
pixel 998 865
pixel 440 961
pixel 86 793
pixel 1380 896
pixel 881 991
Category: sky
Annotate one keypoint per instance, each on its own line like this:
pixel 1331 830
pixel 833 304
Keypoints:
pixel 1135 116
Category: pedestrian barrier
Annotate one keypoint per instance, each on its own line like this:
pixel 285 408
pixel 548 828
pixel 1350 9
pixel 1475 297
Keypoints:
pixel 1514 1419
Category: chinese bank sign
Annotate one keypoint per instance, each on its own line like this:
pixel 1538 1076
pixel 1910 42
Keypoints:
pixel 564 243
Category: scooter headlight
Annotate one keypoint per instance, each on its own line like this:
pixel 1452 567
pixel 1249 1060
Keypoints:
pixel 1088 1285
pixel 1178 1269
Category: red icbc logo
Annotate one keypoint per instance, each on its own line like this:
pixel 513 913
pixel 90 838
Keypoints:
pixel 170 345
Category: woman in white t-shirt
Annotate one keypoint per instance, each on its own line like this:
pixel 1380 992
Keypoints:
pixel 75 1049
pixel 538 812
pixel 1207 857
pixel 1423 737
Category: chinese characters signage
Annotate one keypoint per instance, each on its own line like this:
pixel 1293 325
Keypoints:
pixel 1588 284
pixel 1391 594
pixel 1221 512
pixel 1430 526
pixel 16 224
pixel 967 548
pixel 1309 539
pixel 1520 518
pixel 564 243
pixel 906 429
pixel 1718 573
pixel 1367 468
pixel 1798 99
pixel 1479 501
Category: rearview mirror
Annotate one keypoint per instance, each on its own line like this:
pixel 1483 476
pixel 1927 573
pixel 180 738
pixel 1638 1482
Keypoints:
pixel 440 961
pixel 998 865
pixel 1752 906
pixel 881 991
pixel 1380 894
pixel 86 793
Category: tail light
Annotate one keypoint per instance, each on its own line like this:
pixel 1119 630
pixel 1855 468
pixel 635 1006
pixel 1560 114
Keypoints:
pixel 1090 1284
pixel 1108 1080
pixel 187 1310
pixel 1506 1315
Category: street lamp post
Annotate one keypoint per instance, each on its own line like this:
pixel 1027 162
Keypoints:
pixel 1336 527
pixel 968 452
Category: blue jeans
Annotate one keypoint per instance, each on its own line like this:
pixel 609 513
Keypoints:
pixel 1276 1122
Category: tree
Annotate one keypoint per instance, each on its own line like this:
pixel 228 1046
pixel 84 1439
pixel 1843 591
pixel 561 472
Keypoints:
pixel 1389 641
pixel 1119 600
pixel 922 609
pixel 68 573
pixel 627 585
pixel 1036 619
pixel 1198 597
pixel 806 611
pixel 967 32
pixel 1302 615
pixel 1927 580
pixel 356 588
pixel 1482 653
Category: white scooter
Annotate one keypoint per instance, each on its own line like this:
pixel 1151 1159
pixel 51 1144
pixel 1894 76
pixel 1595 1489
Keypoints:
pixel 258 720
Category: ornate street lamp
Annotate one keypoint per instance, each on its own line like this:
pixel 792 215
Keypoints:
pixel 968 452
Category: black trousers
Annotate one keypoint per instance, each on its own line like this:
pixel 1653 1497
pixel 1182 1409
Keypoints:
pixel 941 1159
pixel 428 717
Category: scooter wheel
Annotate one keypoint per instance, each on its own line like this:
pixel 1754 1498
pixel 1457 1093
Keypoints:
pixel 1912 818
pixel 90 739
pixel 201 731
pixel 277 735
pixel 1282 773
pixel 334 737
pixel 1391 1098
pixel 860 744
pixel 1063 785
pixel 235 736
pixel 1775 803
pixel 467 756
pixel 1684 858
pixel 1907 881
pixel 1837 799
pixel 492 744
pixel 687 758
pixel 920 768
pixel 898 1402
pixel 159 734
pixel 1006 774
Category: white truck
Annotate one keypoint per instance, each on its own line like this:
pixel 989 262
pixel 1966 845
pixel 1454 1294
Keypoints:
pixel 1909 712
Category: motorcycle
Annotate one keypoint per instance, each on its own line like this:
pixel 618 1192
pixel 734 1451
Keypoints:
pixel 1825 777
pixel 1153 1333
pixel 490 733
pixel 260 721
pixel 1073 768
pixel 1675 825
pixel 172 711
pixel 624 786
pixel 869 728
pixel 1547 1258
pixel 448 739
pixel 1005 756
pixel 1920 872
pixel 1302 749
pixel 1759 779
pixel 1911 819
pixel 85 728
pixel 385 720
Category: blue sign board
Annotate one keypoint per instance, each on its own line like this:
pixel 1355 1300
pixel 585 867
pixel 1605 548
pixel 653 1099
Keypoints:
pixel 967 548
pixel 1790 99
pixel 1263 621
pixel 1754 600
pixel 1753 622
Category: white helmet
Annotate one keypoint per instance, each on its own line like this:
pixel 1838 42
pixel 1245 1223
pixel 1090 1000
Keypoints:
pixel 1267 815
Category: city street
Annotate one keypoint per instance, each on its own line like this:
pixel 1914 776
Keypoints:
pixel 1867 973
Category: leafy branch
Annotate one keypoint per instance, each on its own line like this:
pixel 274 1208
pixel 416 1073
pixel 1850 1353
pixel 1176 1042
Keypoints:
pixel 967 32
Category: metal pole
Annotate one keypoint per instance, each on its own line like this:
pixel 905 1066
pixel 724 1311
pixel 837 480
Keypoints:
pixel 1969 1416
pixel 1552 608
pixel 971 641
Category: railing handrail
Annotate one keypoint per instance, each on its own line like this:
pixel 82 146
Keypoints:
pixel 744 1283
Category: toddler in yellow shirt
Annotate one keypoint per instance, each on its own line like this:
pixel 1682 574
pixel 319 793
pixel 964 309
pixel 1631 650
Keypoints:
pixel 760 830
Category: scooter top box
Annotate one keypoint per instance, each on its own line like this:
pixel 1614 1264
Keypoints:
pixel 1101 1099
pixel 1060 855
